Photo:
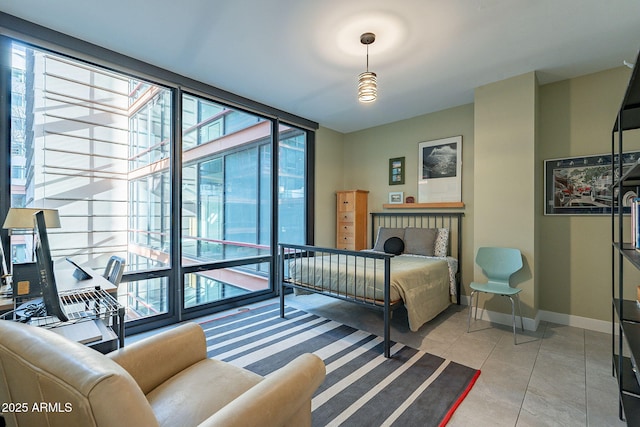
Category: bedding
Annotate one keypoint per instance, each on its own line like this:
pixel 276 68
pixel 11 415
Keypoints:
pixel 422 283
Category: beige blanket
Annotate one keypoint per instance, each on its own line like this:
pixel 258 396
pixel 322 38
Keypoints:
pixel 422 283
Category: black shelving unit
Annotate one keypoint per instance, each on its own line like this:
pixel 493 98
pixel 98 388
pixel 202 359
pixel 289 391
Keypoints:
pixel 625 313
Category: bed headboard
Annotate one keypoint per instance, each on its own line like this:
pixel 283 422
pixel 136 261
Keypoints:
pixel 449 220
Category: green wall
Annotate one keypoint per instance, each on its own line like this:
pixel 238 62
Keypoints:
pixel 504 159
pixel 329 159
pixel 574 118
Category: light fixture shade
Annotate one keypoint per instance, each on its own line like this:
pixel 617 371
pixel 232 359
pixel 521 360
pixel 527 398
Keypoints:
pixel 367 87
pixel 22 218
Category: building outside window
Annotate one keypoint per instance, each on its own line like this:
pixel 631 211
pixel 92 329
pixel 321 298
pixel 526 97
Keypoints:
pixel 97 146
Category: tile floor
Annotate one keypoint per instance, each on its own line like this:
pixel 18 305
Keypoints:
pixel 556 376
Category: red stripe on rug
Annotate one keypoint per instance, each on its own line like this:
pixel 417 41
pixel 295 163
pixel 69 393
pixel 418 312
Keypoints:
pixel 457 403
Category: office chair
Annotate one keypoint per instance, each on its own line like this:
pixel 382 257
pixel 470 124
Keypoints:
pixel 498 264
pixel 114 269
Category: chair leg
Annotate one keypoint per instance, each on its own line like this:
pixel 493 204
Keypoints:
pixel 470 309
pixel 513 319
pixel 475 317
pixel 520 311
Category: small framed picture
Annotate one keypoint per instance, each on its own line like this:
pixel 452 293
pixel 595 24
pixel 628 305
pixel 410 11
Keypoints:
pixel 396 197
pixel 396 171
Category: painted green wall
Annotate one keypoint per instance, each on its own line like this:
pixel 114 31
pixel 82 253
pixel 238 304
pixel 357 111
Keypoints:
pixel 574 118
pixel 504 159
pixel 329 160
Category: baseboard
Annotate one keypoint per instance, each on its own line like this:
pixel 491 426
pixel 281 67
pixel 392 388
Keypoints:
pixel 542 315
pixel 577 321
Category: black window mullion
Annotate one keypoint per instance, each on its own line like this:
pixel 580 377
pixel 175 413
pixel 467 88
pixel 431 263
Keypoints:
pixel 176 279
pixel 273 243
pixel 309 173
pixel 5 137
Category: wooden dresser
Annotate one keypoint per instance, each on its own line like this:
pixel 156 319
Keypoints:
pixel 351 220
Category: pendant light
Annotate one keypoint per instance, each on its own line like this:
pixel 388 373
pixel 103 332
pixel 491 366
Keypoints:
pixel 367 81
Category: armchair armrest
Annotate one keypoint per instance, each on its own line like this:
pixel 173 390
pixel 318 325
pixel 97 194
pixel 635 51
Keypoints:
pixel 153 360
pixel 282 398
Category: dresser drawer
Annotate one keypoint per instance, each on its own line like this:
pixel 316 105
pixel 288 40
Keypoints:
pixel 346 229
pixel 345 239
pixel 346 216
pixel 346 202
pixel 348 245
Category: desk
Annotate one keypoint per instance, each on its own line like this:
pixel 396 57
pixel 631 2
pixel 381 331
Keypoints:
pixel 93 333
pixel 90 291
pixel 66 282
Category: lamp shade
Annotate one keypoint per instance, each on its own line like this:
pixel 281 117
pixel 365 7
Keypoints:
pixel 22 218
pixel 367 87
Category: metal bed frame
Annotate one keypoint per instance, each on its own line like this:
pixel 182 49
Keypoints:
pixel 288 252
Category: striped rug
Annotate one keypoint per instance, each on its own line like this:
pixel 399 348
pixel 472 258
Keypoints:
pixel 362 387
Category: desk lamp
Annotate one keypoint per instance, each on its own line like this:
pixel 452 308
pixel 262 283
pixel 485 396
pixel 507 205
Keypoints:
pixel 22 219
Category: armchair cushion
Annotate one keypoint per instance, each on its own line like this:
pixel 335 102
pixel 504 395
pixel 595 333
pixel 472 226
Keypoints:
pixel 215 383
pixel 281 399
pixel 168 353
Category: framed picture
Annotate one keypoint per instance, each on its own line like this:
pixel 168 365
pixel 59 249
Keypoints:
pixel 583 185
pixel 396 197
pixel 440 170
pixel 396 171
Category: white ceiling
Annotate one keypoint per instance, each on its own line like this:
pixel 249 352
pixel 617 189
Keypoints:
pixel 304 56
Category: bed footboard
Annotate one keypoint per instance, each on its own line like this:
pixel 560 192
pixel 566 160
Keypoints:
pixel 355 276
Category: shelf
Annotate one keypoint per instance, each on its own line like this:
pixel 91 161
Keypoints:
pixel 631 407
pixel 442 205
pixel 630 310
pixel 630 253
pixel 632 335
pixel 82 304
pixel 628 379
pixel 630 108
pixel 631 178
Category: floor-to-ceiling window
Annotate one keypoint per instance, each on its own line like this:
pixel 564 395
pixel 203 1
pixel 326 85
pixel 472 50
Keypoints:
pixel 85 141
pixel 98 146
pixel 227 187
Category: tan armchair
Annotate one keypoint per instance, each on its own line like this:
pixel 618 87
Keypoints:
pixel 163 380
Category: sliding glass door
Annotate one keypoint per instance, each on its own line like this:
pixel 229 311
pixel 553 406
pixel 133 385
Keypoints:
pixel 226 199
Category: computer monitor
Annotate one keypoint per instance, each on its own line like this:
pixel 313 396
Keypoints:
pixel 45 267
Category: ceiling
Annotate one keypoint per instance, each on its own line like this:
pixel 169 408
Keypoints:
pixel 304 57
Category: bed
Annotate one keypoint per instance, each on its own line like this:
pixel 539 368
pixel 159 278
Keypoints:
pixel 421 273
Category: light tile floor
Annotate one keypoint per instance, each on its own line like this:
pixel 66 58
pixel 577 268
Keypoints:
pixel 556 376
